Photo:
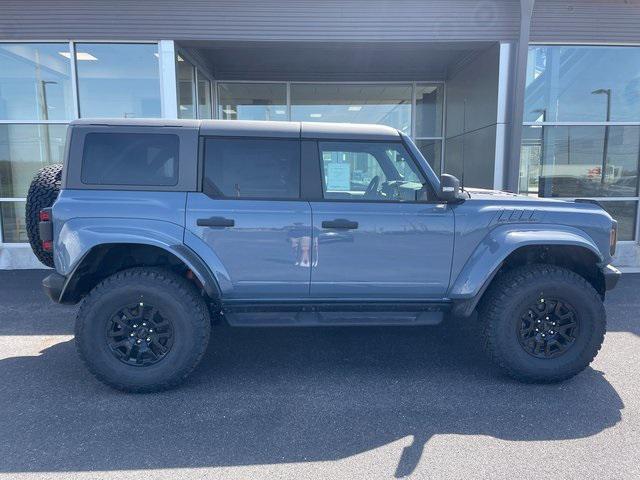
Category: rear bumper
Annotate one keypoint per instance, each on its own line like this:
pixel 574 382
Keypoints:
pixel 611 276
pixel 53 286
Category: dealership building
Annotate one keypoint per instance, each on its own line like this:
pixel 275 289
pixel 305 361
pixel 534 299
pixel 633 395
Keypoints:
pixel 536 96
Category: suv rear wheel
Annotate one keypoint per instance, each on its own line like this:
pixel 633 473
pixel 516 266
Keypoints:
pixel 542 323
pixel 142 330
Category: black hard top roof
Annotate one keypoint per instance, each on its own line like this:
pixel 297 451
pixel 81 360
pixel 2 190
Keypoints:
pixel 241 128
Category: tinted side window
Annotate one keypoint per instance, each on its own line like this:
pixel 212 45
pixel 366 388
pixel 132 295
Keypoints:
pixel 252 168
pixel 145 159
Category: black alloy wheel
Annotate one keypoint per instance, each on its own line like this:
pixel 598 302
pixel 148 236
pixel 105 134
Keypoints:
pixel 548 328
pixel 139 335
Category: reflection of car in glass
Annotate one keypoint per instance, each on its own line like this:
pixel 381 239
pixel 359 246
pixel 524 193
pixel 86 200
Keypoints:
pixel 562 186
pixel 624 186
pixel 161 226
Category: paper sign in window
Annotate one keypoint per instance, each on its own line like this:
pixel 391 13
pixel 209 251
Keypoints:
pixel 339 177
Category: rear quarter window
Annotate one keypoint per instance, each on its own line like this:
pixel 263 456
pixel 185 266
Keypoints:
pixel 252 168
pixel 142 159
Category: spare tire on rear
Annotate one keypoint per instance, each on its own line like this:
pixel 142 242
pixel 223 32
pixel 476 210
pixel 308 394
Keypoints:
pixel 43 191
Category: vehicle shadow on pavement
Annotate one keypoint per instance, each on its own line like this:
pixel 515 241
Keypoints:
pixel 288 395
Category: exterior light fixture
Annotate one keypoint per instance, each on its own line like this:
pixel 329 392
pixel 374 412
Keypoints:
pixel 80 56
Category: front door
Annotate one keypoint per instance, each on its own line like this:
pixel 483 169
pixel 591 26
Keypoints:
pixel 379 232
pixel 250 218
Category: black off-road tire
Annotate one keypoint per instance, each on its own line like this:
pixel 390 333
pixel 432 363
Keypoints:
pixel 509 298
pixel 43 191
pixel 174 298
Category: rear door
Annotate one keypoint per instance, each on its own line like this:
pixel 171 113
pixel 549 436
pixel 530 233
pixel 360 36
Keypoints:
pixel 250 218
pixel 380 232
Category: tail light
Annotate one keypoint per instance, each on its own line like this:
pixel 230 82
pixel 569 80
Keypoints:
pixel 45 229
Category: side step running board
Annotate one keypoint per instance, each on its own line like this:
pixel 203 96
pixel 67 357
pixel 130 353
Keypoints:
pixel 331 313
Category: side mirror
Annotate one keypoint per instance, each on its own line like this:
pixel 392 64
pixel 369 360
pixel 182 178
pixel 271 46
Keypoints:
pixel 449 188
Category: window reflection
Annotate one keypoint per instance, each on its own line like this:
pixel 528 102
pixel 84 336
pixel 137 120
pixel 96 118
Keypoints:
pixel 599 84
pixel 432 152
pixel 186 78
pixel 35 81
pixel 252 101
pixel 429 100
pixel 625 214
pixel 24 149
pixel 583 83
pixel 580 161
pixel 381 104
pixel 204 97
pixel 13 223
pixel 118 80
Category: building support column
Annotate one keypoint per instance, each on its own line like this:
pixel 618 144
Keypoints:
pixel 503 113
pixel 168 85
pixel 512 161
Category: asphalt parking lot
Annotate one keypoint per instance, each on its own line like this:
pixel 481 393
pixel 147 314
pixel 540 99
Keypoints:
pixel 417 402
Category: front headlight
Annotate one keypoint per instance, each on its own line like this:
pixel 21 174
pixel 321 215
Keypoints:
pixel 613 238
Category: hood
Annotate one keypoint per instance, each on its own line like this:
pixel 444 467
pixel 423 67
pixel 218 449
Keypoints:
pixel 500 197
pixel 497 195
pixel 486 193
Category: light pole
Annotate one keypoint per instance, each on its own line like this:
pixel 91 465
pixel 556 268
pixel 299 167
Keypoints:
pixel 45 116
pixel 605 146
pixel 547 188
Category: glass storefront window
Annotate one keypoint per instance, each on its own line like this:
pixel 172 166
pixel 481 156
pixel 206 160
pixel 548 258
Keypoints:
pixel 25 148
pixel 186 79
pixel 252 101
pixel 582 83
pixel 13 224
pixel 580 161
pixel 118 80
pixel 204 97
pixel 625 213
pixel 432 152
pixel 429 101
pixel 35 81
pixel 388 104
pixel 577 84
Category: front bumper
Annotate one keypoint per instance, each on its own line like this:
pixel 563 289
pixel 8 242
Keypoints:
pixel 53 286
pixel 611 276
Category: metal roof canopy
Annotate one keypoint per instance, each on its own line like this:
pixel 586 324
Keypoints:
pixel 335 61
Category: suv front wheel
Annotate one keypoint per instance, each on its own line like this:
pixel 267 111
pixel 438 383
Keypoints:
pixel 142 330
pixel 542 323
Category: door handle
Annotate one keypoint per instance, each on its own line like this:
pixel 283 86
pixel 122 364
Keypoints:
pixel 215 222
pixel 341 223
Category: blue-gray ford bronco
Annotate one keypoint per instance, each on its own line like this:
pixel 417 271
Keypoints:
pixel 160 228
